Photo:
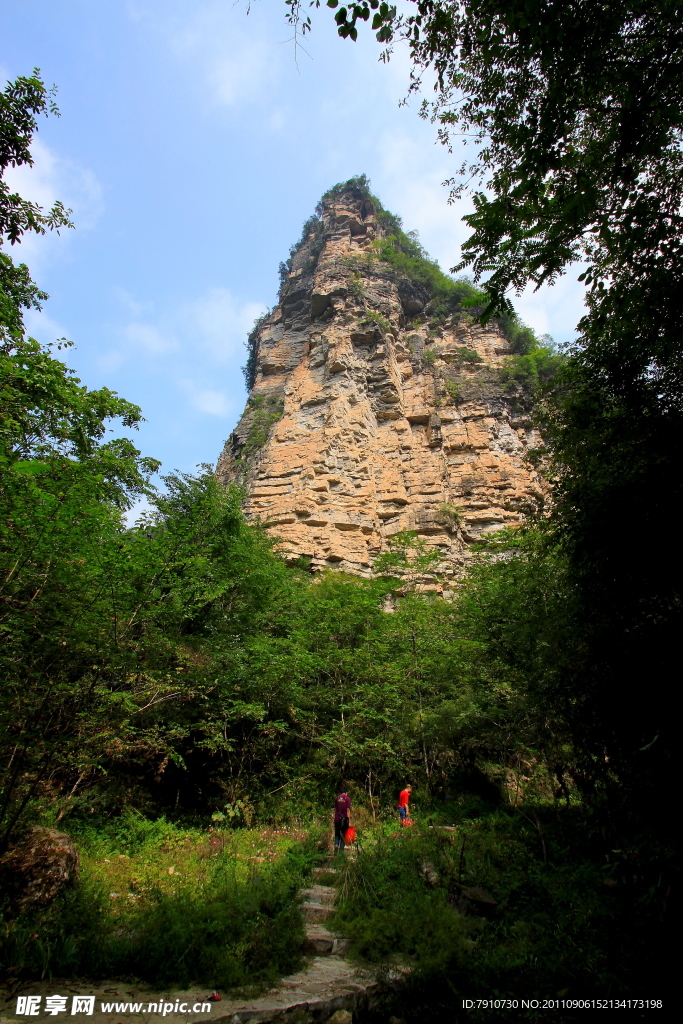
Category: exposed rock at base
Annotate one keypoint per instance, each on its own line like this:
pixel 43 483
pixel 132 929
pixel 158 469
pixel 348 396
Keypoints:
pixel 365 420
pixel 38 867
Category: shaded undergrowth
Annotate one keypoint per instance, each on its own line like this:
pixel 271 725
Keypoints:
pixel 505 905
pixel 167 906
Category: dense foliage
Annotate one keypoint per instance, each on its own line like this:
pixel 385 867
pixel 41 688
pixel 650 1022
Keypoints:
pixel 170 906
pixel 502 901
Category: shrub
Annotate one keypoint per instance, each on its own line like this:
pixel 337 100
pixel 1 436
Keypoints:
pixel 266 410
pixel 358 186
pixel 554 924
pixel 468 355
pixel 387 910
pixel 452 514
pixel 218 921
pixel 372 316
pixel 356 287
pixel 454 391
pixel 252 345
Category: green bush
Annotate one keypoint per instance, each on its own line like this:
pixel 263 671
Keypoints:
pixel 388 911
pixel 129 833
pixel 555 926
pixel 221 921
pixel 452 514
pixel 380 320
pixel 454 391
pixel 468 355
pixel 266 410
pixel 356 287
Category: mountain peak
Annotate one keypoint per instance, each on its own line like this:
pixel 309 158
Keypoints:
pixel 377 404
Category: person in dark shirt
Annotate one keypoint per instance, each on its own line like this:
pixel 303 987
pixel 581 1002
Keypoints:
pixel 342 819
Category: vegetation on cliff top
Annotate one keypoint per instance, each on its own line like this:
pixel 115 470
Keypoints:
pixel 403 251
pixel 533 360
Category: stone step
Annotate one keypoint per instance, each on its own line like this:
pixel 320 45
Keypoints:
pixel 327 984
pixel 322 942
pixel 315 913
pixel 317 872
pixel 324 894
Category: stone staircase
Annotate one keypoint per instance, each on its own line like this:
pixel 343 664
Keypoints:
pixel 317 911
pixel 329 989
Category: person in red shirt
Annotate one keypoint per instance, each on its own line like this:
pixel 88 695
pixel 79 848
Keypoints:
pixel 404 803
pixel 342 819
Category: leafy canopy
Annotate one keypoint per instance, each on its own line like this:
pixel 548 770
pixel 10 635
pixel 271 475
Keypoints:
pixel 20 104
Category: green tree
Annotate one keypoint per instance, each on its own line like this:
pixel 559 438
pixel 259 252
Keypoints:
pixel 62 492
pixel 22 101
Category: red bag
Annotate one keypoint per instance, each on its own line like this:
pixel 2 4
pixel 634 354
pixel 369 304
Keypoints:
pixel 350 835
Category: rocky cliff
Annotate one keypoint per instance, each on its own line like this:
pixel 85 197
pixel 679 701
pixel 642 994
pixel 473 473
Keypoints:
pixel 377 406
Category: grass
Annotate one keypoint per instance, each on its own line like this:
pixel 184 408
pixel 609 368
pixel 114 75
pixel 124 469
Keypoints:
pixel 387 910
pixel 174 906
pixel 556 929
pixel 168 906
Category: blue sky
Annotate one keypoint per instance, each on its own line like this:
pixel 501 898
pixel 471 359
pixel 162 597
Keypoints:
pixel 192 146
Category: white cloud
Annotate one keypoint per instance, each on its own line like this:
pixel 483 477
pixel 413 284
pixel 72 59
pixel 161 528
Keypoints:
pixel 139 508
pixel 411 184
pixel 220 323
pixel 195 347
pixel 112 360
pixel 215 322
pixel 42 327
pixel 234 55
pixel 53 177
pixel 554 309
pixel 131 304
pixel 278 120
pixel 149 337
pixel 236 76
pixel 207 400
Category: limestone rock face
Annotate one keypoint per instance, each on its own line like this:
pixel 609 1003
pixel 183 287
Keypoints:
pixel 367 419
